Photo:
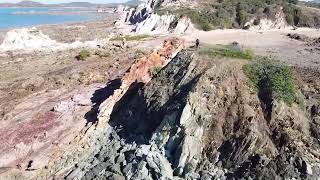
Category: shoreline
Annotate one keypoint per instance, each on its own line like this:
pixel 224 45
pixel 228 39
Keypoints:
pixel 96 25
pixel 96 17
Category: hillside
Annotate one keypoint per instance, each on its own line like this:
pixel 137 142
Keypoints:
pixel 235 13
pixel 29 4
pixel 165 90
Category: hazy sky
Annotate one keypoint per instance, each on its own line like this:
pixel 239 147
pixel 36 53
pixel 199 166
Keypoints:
pixel 63 1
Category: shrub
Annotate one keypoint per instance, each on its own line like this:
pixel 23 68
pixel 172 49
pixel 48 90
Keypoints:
pixel 139 53
pixel 229 13
pixel 273 79
pixel 131 38
pixel 83 55
pixel 293 14
pixel 227 51
pixel 154 71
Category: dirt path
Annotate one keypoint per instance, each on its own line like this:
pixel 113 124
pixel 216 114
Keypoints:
pixel 271 43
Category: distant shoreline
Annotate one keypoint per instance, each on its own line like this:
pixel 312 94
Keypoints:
pixel 88 15
pixel 97 18
pixel 54 28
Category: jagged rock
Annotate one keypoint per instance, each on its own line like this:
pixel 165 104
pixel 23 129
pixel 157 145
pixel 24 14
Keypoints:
pixel 184 24
pixel 198 118
pixel 182 131
pixel 64 106
pixel 26 39
pixel 143 20
pixel 32 39
pixel 154 24
pixel 276 21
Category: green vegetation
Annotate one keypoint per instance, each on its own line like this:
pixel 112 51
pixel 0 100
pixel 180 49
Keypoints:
pixel 293 14
pixel 83 55
pixel 131 38
pixel 154 71
pixel 227 51
pixel 272 79
pixel 230 13
pixel 139 53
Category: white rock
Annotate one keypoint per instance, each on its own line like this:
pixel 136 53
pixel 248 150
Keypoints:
pixel 30 40
pixel 143 20
pixel 64 106
pixel 26 39
pixel 184 24
pixel 82 100
pixel 155 24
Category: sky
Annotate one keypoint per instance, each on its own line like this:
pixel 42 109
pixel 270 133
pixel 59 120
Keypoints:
pixel 64 1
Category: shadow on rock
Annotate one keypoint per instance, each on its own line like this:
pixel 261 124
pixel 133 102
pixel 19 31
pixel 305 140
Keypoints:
pixel 100 96
pixel 142 109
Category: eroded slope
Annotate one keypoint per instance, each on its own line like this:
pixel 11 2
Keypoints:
pixel 199 118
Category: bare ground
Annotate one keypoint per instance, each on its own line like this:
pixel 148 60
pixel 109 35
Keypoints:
pixel 271 43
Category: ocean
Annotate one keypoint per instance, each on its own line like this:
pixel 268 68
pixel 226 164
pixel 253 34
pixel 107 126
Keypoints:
pixel 27 17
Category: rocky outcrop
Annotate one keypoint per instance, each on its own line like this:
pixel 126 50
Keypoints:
pixel 84 138
pixel 199 119
pixel 32 39
pixel 184 25
pixel 141 72
pixel 268 22
pixel 154 24
pixel 178 115
pixel 143 19
pixel 26 39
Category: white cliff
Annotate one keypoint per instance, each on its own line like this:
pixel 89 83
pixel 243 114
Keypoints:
pixel 32 39
pixel 143 19
pixel 26 39
pixel 184 25
pixel 154 24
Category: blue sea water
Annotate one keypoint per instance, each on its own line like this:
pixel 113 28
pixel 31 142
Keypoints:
pixel 26 17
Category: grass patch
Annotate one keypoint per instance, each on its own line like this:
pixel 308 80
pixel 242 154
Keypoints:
pixel 272 79
pixel 83 55
pixel 131 38
pixel 139 53
pixel 199 18
pixel 227 51
pixel 154 71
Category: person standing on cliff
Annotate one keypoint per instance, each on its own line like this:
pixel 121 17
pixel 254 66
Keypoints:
pixel 197 43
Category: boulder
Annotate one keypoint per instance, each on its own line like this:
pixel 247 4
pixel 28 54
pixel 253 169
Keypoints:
pixel 26 39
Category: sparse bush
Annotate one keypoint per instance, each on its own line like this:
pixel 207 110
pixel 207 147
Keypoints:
pixel 231 13
pixel 139 53
pixel 131 38
pixel 227 51
pixel 272 79
pixel 154 71
pixel 83 55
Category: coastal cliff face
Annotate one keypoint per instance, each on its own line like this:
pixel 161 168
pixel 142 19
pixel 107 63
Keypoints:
pixel 200 119
pixel 170 111
pixel 174 114
pixel 144 20
pixel 163 16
